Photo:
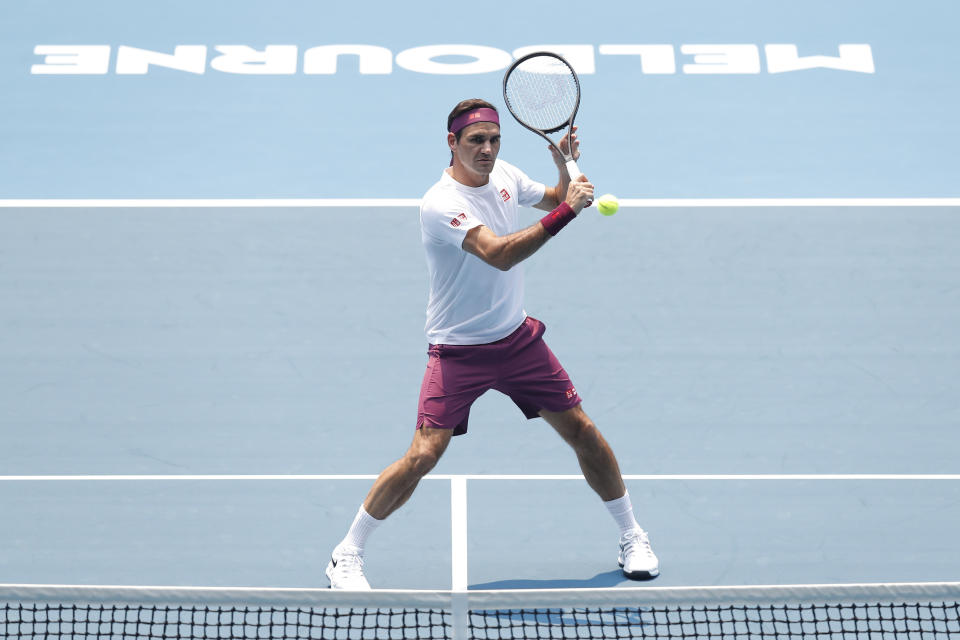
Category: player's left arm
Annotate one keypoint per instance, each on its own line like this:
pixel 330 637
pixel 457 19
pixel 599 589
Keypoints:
pixel 553 196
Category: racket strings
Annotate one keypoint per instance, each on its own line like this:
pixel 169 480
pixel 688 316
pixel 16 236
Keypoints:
pixel 541 96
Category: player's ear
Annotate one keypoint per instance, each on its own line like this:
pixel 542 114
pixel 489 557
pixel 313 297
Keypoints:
pixel 452 141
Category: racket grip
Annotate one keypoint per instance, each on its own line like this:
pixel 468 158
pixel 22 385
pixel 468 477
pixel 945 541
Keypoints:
pixel 573 170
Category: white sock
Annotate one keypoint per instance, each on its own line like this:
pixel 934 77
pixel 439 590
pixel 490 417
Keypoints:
pixel 622 511
pixel 363 525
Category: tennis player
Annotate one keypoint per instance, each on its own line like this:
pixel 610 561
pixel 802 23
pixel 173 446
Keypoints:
pixel 480 336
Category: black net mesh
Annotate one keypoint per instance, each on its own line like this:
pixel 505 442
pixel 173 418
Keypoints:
pixel 927 620
pixel 153 622
pixel 920 620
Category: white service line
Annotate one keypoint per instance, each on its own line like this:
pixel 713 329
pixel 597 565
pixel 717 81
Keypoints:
pixel 467 476
pixel 207 203
pixel 237 203
pixel 788 202
pixel 163 478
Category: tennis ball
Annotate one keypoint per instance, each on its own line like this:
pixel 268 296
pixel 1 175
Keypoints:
pixel 608 204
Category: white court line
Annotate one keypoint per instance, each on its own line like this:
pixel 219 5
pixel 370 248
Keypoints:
pixel 236 203
pixel 467 476
pixel 458 533
pixel 789 202
pixel 210 203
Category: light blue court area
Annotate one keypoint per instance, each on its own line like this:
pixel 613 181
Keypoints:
pixel 552 534
pixel 522 533
pixel 290 340
pixel 114 99
pixel 734 341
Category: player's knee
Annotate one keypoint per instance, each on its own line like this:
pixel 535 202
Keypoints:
pixel 422 461
pixel 583 434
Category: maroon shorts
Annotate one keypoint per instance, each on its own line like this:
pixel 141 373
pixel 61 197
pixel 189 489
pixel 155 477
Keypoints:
pixel 520 366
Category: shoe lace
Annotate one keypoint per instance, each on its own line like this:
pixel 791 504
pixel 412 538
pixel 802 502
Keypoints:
pixel 349 560
pixel 637 540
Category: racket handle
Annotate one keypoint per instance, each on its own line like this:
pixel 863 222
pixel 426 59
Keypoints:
pixel 573 170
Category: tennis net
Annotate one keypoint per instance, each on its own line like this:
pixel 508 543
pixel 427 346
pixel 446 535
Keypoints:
pixel 921 611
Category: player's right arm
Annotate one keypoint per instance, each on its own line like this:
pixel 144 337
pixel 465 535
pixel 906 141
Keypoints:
pixel 553 196
pixel 505 252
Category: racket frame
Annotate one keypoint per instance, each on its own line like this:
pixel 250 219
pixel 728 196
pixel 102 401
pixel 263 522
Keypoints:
pixel 572 169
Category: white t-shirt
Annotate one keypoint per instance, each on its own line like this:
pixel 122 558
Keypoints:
pixel 470 301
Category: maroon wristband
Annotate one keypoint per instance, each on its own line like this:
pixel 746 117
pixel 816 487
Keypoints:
pixel 557 219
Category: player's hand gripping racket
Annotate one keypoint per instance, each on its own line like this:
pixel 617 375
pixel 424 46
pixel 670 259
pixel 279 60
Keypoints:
pixel 542 92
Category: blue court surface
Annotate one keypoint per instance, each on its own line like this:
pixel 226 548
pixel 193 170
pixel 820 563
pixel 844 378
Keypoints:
pixel 185 342
pixel 212 294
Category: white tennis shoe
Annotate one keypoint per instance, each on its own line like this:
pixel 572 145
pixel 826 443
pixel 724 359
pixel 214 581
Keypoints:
pixel 636 557
pixel 345 570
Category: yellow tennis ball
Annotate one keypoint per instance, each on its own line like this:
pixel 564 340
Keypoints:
pixel 608 204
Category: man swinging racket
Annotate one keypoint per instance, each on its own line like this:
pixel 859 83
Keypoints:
pixel 480 336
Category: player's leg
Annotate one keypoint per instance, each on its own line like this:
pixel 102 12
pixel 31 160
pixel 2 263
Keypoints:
pixel 602 473
pixel 453 380
pixel 595 456
pixel 395 484
pixel 392 488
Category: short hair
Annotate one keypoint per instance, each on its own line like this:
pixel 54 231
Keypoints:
pixel 464 106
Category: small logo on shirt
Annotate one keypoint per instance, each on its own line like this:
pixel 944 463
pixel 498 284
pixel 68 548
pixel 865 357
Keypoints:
pixel 456 221
pixel 504 194
pixel 571 393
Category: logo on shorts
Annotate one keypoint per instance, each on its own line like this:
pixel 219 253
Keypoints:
pixel 456 221
pixel 571 393
pixel 504 194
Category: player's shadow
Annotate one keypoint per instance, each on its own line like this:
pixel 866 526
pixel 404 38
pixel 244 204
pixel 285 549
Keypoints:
pixel 606 579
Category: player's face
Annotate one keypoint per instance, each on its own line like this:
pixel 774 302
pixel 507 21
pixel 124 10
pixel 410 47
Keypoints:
pixel 478 147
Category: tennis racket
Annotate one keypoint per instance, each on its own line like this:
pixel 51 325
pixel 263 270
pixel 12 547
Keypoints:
pixel 542 92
